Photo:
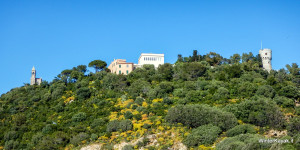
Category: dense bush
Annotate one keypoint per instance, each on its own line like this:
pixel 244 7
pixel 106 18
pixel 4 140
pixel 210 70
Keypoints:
pixel 125 125
pixel 241 129
pixel 122 125
pixel 284 101
pixel 258 111
pixel 197 115
pixel 203 135
pixel 266 91
pixel 113 126
pixel 79 117
pixel 75 140
pixel 294 126
pixel 290 92
pixel 83 93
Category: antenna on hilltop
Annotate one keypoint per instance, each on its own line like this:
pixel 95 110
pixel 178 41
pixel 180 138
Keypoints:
pixel 260 44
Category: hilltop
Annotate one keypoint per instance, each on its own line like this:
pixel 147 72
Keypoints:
pixel 200 102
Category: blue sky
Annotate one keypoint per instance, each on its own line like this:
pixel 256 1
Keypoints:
pixel 55 35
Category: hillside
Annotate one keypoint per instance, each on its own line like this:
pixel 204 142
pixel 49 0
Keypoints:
pixel 200 102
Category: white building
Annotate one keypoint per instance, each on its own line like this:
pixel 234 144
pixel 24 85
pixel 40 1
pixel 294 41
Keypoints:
pixel 152 59
pixel 266 56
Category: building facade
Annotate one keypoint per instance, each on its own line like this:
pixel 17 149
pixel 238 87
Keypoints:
pixel 33 79
pixel 152 59
pixel 120 66
pixel 266 57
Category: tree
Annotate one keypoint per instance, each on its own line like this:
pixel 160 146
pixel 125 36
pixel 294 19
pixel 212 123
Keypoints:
pixel 195 56
pixel 166 71
pixel 98 65
pixel 235 58
pixel 80 68
pixel 179 58
pixel 294 69
pixel 213 58
pixel 247 57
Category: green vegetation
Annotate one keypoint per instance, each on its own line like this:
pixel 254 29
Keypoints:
pixel 203 135
pixel 201 101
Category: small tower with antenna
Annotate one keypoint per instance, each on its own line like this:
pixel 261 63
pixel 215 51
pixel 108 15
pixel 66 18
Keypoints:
pixel 266 57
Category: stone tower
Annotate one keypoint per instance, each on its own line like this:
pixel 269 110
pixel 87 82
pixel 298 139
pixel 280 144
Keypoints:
pixel 266 57
pixel 33 79
pixel 33 75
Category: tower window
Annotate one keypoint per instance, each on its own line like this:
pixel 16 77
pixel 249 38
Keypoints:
pixel 119 66
pixel 266 53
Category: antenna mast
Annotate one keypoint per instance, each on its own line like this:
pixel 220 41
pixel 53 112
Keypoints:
pixel 260 44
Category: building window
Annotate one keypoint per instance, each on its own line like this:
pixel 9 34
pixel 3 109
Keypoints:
pixel 127 65
pixel 266 53
pixel 119 66
pixel 126 71
pixel 119 71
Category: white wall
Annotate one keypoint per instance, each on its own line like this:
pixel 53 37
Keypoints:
pixel 154 59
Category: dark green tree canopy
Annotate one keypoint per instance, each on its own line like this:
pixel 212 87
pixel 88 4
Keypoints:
pixel 98 65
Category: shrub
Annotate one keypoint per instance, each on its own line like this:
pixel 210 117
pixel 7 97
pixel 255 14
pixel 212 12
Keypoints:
pixel 241 129
pixel 81 116
pixel 258 111
pixel 294 126
pixel 10 135
pixel 76 140
pixel 97 122
pixel 221 94
pixel 203 135
pixel 11 144
pixel 139 101
pixel 168 101
pixel 36 138
pixel 284 101
pixel 128 147
pixel 297 110
pixel 197 115
pixel 83 93
pixel 60 138
pixel 138 116
pixel 94 136
pixel 266 91
pixel 113 126
pixel 47 129
pixel 290 92
pixel 125 125
pixel 128 115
